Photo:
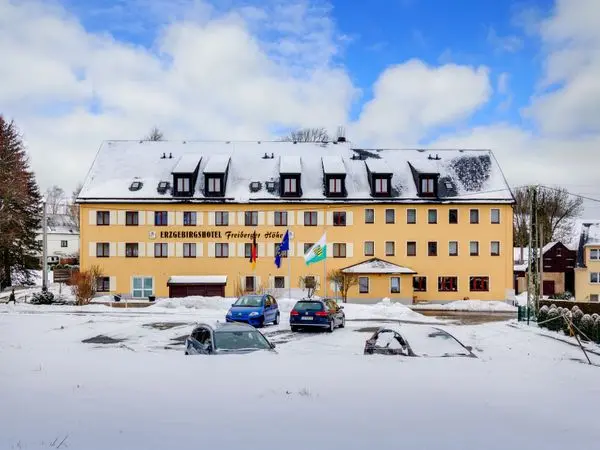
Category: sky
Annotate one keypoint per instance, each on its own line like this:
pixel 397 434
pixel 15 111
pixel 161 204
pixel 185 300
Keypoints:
pixel 518 77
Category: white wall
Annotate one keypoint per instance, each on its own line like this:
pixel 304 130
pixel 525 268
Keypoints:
pixel 54 243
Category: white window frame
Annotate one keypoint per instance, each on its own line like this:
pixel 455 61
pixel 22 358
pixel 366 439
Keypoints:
pixel 335 185
pixel 214 184
pixel 381 185
pixel 290 185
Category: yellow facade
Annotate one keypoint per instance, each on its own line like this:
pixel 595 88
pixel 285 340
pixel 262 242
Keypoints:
pixel 587 279
pixel 121 270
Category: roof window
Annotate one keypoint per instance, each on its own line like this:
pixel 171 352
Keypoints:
pixel 135 186
pixel 163 186
pixel 255 186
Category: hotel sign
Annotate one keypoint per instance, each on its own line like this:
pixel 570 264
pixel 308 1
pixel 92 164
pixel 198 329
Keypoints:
pixel 215 234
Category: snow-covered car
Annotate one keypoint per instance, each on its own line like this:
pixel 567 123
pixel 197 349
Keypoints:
pixel 415 340
pixel 226 338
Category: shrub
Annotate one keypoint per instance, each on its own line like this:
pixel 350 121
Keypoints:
pixel 586 326
pixel 543 315
pixel 555 324
pixel 596 330
pixel 42 298
pixel 83 284
pixel 566 322
pixel 577 316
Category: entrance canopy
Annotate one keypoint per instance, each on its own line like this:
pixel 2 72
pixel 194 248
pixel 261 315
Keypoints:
pixel 377 266
pixel 197 279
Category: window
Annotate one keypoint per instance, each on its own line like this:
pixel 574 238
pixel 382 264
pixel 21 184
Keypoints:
pixel 276 245
pixel 411 248
pixel 189 218
pixel 290 186
pixel 64 244
pixel 281 218
pixel 142 287
pixel 307 246
pixel 161 218
pixel 594 297
pixel 251 218
pixel 221 250
pixel 183 184
pixel 214 185
pixel 221 218
pixel 447 284
pixel 390 248
pixel 427 186
pixel 432 249
pixel 595 254
pixel 369 215
pixel 453 216
pixel 339 218
pixel 479 284
pixel 161 250
pixel 369 248
pixel 411 216
pixel 495 213
pixel 102 218
pixel 189 250
pixel 279 282
pixel 339 250
pixel 131 218
pixel 595 277
pixel 131 250
pixel 103 284
pixel 363 285
pixel 247 250
pixel 474 248
pixel 335 185
pixel 249 284
pixel 390 216
pixel 394 285
pixel 102 249
pixel 474 215
pixel 381 185
pixel 419 284
pixel 432 216
pixel 558 252
pixel 310 218
pixel 453 248
pixel 495 248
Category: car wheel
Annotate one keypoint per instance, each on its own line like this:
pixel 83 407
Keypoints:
pixel 343 324
pixel 186 353
pixel 331 326
pixel 276 322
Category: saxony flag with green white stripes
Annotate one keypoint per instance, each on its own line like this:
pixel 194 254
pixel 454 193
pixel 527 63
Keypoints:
pixel 317 252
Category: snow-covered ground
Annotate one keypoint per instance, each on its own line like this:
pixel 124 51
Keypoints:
pixel 318 391
pixel 483 306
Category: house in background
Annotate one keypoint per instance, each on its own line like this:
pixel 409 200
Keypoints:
pixel 62 237
pixel 587 273
pixel 559 268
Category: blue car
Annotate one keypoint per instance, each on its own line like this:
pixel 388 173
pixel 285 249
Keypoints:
pixel 256 310
pixel 323 313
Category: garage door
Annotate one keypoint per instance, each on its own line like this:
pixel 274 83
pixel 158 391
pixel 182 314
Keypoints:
pixel 205 290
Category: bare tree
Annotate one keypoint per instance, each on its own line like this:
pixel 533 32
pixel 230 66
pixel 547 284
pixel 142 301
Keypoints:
pixel 73 207
pixel 55 200
pixel 344 281
pixel 310 284
pixel 556 209
pixel 155 135
pixel 307 135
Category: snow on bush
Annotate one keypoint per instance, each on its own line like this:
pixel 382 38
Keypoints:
pixel 543 316
pixel 554 321
pixel 577 315
pixel 566 322
pixel 596 330
pixel 586 326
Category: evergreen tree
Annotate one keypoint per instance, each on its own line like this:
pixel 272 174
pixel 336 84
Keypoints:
pixel 20 209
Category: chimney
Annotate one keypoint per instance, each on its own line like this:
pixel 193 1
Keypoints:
pixel 170 155
pixel 163 156
pixel 341 134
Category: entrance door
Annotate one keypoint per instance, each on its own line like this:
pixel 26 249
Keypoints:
pixel 548 288
pixel 203 290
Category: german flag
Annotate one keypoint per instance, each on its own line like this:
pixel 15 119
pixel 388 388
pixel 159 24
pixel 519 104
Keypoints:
pixel 254 252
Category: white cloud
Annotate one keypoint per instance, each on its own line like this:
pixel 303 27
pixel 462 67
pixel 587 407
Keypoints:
pixel 411 98
pixel 509 43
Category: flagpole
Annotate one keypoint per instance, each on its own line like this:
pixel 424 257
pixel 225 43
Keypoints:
pixel 289 264
pixel 325 260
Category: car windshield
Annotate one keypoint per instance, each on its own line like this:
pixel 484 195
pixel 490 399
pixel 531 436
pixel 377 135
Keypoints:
pixel 240 340
pixel 308 306
pixel 249 300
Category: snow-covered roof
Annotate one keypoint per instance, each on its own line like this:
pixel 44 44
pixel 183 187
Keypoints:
pixel 197 279
pixel 377 265
pixel 217 164
pixel 186 164
pixel 290 164
pixel 333 165
pixel 378 166
pixel 592 234
pixel 475 173
pixel 61 224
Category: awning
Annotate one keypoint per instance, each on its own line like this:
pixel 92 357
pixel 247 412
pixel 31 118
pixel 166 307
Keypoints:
pixel 376 265
pixel 197 279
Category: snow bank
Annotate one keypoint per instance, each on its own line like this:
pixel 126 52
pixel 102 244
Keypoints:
pixel 195 302
pixel 469 306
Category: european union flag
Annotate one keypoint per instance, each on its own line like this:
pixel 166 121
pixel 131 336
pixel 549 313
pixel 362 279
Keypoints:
pixel 283 247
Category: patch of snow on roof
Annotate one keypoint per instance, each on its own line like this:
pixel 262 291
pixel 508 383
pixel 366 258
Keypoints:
pixel 333 165
pixel 197 279
pixel 187 164
pixel 217 164
pixel 593 233
pixel 290 164
pixel 377 266
pixel 377 166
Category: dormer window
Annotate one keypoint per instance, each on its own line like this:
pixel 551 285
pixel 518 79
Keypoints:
pixel 380 177
pixel 290 186
pixel 427 186
pixel 215 176
pixel 183 184
pixel 214 185
pixel 335 186
pixel 381 185
pixel 290 170
pixel 185 174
